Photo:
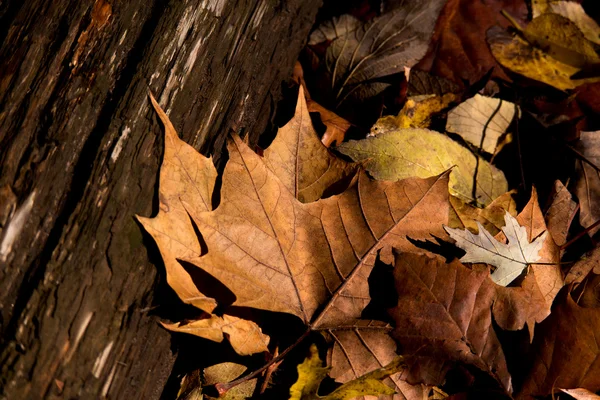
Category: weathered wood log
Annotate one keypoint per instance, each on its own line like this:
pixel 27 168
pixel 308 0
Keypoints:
pixel 79 154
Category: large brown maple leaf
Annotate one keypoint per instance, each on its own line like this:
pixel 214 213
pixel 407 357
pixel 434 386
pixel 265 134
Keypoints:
pixel 276 253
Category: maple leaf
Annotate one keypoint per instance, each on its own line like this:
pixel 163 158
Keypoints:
pixel 186 183
pixel 510 259
pixel 311 259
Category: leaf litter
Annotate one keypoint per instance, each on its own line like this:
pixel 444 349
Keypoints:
pixel 308 226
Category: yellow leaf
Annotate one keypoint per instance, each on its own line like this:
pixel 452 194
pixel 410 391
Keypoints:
pixel 311 373
pixel 424 153
pixel 416 113
pixel 574 12
pixel 463 215
pixel 521 57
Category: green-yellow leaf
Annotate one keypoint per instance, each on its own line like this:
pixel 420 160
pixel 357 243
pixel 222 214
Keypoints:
pixel 481 121
pixel 424 153
pixel 311 373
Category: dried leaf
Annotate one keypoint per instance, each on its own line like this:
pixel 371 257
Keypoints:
pixel 463 215
pixel 566 352
pixel 457 51
pixel 444 315
pixel 357 56
pixel 571 10
pixel 311 373
pixel 416 113
pixel 509 259
pixel 311 260
pixel 581 269
pixel 482 121
pixel 561 212
pixel 561 39
pixel 581 394
pixel 301 161
pixel 587 187
pixel 422 82
pixel 519 56
pixel 226 372
pixel 336 125
pixel 187 180
pixel 420 152
pixel 244 336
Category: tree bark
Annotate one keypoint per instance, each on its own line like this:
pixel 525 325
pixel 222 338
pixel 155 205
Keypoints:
pixel 80 149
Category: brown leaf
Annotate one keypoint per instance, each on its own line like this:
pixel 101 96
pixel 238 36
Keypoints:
pixel 362 54
pixel 443 315
pixel 301 161
pixel 311 260
pixel 561 212
pixel 457 49
pixel 581 394
pixel 583 267
pixel 187 180
pixel 587 187
pixel 566 352
pixel 444 311
pixel 463 215
pixel 336 125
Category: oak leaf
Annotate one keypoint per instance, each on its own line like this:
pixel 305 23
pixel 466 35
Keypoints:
pixel 510 259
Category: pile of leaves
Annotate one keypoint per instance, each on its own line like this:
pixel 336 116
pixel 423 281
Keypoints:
pixel 417 260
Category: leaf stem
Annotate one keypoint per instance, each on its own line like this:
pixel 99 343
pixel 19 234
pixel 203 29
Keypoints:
pixel 579 235
pixel 222 388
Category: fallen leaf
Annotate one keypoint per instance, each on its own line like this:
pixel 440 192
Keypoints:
pixel 443 315
pixel 581 394
pixel 574 12
pixel 423 153
pixel 244 336
pixel 519 56
pixel 187 180
pixel 463 215
pixel 226 372
pixel 422 82
pixel 299 159
pixel 359 55
pixel 482 121
pixel 587 187
pixel 457 51
pixel 416 113
pixel 311 373
pixel 566 351
pixel 311 260
pixel 336 125
pixel 581 269
pixel 561 39
pixel 561 212
pixel 509 259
